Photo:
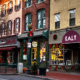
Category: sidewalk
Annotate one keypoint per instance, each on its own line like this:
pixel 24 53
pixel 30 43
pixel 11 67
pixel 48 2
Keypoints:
pixel 57 76
pixel 63 76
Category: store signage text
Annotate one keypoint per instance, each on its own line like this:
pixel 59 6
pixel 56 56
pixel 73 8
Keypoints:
pixel 8 41
pixel 70 38
pixel 34 44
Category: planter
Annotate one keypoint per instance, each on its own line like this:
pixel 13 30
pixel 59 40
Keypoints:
pixel 42 71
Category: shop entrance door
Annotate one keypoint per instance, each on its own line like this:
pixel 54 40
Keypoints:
pixel 33 55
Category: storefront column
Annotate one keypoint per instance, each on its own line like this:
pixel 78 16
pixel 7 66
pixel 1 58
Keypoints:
pixel 63 56
pixel 29 53
pixel 72 57
pixel 38 53
pixel 21 53
pixel 47 55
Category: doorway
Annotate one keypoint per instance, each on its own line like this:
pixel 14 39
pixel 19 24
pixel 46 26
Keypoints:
pixel 33 55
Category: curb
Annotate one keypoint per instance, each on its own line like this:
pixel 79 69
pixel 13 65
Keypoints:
pixel 34 76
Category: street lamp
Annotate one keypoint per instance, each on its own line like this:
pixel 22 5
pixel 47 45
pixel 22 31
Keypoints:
pixel 29 46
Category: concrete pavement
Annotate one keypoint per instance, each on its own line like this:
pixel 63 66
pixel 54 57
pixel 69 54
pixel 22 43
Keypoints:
pixel 58 76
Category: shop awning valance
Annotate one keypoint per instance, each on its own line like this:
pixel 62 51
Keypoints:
pixel 7 48
pixel 71 37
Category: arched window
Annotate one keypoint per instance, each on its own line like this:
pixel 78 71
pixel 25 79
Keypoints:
pixel 17 25
pixel 28 20
pixel 17 4
pixel 10 7
pixel 3 10
pixel 41 22
pixel 9 27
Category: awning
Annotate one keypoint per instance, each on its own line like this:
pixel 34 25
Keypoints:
pixel 7 48
pixel 71 37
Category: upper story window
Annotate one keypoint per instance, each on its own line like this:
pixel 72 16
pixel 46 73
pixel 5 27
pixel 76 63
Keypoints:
pixel 72 17
pixel 28 3
pixel 17 25
pixel 57 21
pixel 9 27
pixel 3 29
pixel 39 1
pixel 28 20
pixel 17 4
pixel 41 19
pixel 10 7
pixel 3 11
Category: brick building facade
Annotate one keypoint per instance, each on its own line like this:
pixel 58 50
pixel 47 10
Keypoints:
pixel 10 27
pixel 36 14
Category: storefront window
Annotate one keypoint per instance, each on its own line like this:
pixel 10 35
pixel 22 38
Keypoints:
pixel 8 57
pixel 57 54
pixel 43 52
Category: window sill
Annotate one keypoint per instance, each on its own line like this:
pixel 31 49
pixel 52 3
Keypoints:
pixel 26 31
pixel 40 29
pixel 40 2
pixel 28 7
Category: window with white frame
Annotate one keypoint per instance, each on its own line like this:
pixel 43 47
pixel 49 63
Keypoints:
pixel 57 21
pixel 28 20
pixel 39 1
pixel 28 3
pixel 9 27
pixel 17 25
pixel 41 19
pixel 72 17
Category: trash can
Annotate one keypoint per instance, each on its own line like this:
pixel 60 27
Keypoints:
pixel 42 71
pixel 20 68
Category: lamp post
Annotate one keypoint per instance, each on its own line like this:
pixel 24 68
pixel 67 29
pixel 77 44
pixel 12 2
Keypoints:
pixel 29 46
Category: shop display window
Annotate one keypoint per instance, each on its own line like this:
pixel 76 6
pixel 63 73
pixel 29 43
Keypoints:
pixel 43 52
pixel 57 54
pixel 8 57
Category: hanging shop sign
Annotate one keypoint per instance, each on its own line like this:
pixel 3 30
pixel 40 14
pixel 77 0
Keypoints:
pixel 24 57
pixel 29 45
pixel 34 44
pixel 71 37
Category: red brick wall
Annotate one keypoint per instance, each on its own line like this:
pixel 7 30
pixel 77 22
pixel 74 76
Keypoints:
pixel 33 9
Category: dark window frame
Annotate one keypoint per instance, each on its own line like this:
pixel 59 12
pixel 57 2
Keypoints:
pixel 9 11
pixel 29 15
pixel 3 29
pixel 17 7
pixel 57 23
pixel 2 11
pixel 29 3
pixel 15 25
pixel 42 18
pixel 9 32
pixel 72 18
